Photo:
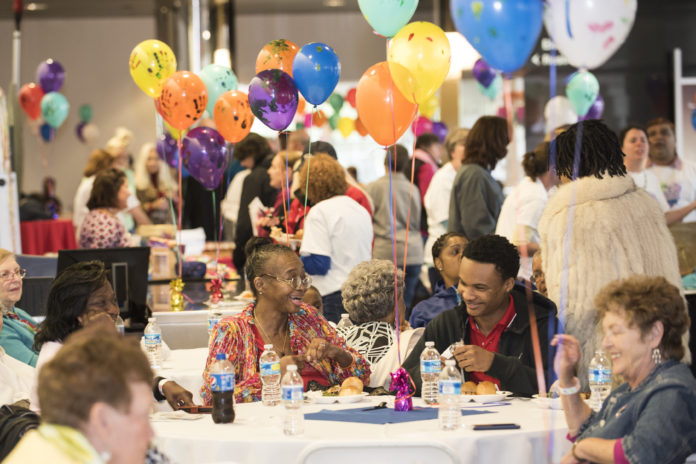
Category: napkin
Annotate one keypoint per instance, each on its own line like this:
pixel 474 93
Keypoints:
pixel 380 416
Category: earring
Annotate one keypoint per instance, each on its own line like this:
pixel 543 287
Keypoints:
pixel 105 455
pixel 656 356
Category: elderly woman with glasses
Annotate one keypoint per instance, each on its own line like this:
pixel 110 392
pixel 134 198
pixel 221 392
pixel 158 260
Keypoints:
pixel 17 337
pixel 278 316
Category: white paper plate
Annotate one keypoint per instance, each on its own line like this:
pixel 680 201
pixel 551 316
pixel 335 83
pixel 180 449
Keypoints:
pixel 317 397
pixel 548 403
pixel 483 399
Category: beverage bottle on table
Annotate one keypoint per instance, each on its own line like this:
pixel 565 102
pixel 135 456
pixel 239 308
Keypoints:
pixel 599 376
pixel 450 390
pixel 222 389
pixel 430 372
pixel 293 395
pixel 120 325
pixel 344 322
pixel 269 368
pixel 153 343
pixel 213 318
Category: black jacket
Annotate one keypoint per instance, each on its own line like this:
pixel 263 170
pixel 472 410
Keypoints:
pixel 513 364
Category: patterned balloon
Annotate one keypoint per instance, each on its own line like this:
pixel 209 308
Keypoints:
pixel 205 154
pixel 167 150
pixel 277 54
pixel 50 75
pixel 150 63
pixel 233 116
pixel 218 80
pixel 273 98
pixel 183 99
pixel 582 91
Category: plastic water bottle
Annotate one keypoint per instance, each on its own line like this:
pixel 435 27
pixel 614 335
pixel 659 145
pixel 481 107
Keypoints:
pixel 449 393
pixel 222 388
pixel 120 325
pixel 430 367
pixel 293 396
pixel 213 318
pixel 269 364
pixel 153 343
pixel 345 322
pixel 599 377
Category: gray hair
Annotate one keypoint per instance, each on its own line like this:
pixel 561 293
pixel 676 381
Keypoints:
pixel 368 292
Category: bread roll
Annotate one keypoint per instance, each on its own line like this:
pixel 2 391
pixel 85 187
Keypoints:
pixel 348 391
pixel 469 388
pixel 486 388
pixel 353 382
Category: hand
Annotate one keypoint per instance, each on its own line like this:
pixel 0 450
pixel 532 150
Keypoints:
pixel 319 349
pixel 567 357
pixel 176 395
pixel 160 203
pixel 285 361
pixel 268 221
pixel 569 459
pixel 473 358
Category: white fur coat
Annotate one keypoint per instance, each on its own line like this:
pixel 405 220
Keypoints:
pixel 615 230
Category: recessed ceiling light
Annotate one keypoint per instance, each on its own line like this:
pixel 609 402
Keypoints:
pixel 36 6
pixel 334 3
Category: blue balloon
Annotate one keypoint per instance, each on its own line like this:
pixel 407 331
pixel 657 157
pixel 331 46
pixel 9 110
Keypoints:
pixel 47 132
pixel 54 109
pixel 316 71
pixel 503 32
pixel 218 80
pixel 693 119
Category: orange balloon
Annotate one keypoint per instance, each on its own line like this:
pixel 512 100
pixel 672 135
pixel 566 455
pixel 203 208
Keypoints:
pixel 360 127
pixel 384 111
pixel 182 100
pixel 319 119
pixel 277 54
pixel 301 102
pixel 233 116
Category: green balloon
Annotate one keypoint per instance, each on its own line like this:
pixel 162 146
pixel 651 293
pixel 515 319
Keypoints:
pixel 336 102
pixel 85 113
pixel 333 121
pixel 582 91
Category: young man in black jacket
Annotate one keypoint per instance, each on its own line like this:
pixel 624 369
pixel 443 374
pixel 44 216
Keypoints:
pixel 492 322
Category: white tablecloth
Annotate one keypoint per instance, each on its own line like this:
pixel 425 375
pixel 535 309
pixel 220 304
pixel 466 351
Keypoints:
pixel 185 367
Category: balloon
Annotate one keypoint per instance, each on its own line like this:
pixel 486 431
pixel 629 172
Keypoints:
pixel 233 116
pixel 205 153
pixel 308 119
pixel 503 32
pixel 50 75
pixel 440 129
pixel 47 132
pixel 428 107
pixel 386 17
pixel 483 73
pixel 350 97
pixel 596 110
pixel 168 151
pixel 333 121
pixel 346 126
pixel 273 98
pixel 492 90
pixel 559 111
pixel 277 54
pixel 424 50
pixel 336 102
pixel 30 96
pixel 693 119
pixel 78 131
pixel 182 100
pixel 54 109
pixel 319 118
pixel 360 127
pixel 150 63
pixel 382 109
pixel 85 113
pixel 587 32
pixel 90 133
pixel 582 91
pixel 421 126
pixel 218 80
pixel 316 70
pixel 301 103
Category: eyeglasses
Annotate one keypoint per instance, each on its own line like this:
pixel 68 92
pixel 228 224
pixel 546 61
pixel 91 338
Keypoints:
pixel 17 273
pixel 295 282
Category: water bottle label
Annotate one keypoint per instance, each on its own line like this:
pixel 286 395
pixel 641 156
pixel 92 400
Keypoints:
pixel 222 382
pixel 430 366
pixel 153 339
pixel 599 376
pixel 292 393
pixel 270 368
pixel 450 387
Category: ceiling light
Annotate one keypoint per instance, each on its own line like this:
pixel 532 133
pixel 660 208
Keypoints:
pixel 334 3
pixel 36 6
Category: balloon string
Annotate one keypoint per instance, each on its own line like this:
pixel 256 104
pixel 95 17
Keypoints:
pixel 179 206
pixel 216 237
pixel 392 220
pixel 309 160
pixel 410 195
pixel 285 189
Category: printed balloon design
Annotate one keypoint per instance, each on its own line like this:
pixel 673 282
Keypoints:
pixel 582 91
pixel 150 63
pixel 233 116
pixel 50 75
pixel 205 154
pixel 277 54
pixel 183 99
pixel 218 80
pixel 54 109
pixel 316 71
pixel 273 98
pixel 30 96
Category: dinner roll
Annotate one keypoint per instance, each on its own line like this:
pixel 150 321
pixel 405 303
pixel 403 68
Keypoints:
pixel 353 382
pixel 348 391
pixel 469 388
pixel 486 388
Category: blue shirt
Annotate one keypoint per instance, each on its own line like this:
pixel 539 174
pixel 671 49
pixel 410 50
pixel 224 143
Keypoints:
pixel 442 300
pixel 17 339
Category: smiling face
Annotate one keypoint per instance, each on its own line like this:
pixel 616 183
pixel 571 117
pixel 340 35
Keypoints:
pixel 635 146
pixel 483 289
pixel 10 283
pixel 282 295
pixel 662 144
pixel 449 260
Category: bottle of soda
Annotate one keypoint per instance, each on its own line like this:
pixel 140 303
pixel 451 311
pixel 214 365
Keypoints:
pixel 222 389
pixel 599 377
pixel 345 322
pixel 153 343
pixel 430 367
pixel 213 318
pixel 293 396
pixel 450 390
pixel 269 369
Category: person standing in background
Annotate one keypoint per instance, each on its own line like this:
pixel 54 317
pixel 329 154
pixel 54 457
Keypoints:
pixel 154 185
pixel 428 155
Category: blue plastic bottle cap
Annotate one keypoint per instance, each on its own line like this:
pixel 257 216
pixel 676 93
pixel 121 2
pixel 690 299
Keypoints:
pixel 220 356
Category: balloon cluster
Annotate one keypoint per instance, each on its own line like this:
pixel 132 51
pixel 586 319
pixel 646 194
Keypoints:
pixel 489 82
pixel 44 100
pixel 85 131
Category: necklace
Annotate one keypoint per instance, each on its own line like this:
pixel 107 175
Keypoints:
pixel 266 337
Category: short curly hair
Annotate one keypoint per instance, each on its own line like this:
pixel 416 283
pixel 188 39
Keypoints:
pixel 497 250
pixel 368 292
pixel 326 178
pixel 646 300
pixel 105 189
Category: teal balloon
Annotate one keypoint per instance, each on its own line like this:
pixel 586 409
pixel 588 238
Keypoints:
pixel 218 80
pixel 582 91
pixel 336 102
pixel 387 17
pixel 494 89
pixel 54 109
pixel 85 113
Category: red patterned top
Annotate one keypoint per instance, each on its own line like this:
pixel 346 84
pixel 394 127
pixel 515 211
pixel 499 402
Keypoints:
pixel 236 336
pixel 101 229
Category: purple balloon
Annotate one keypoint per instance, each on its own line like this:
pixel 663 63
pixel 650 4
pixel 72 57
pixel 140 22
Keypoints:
pixel 483 73
pixel 205 153
pixel 50 76
pixel 440 129
pixel 596 110
pixel 273 98
pixel 168 151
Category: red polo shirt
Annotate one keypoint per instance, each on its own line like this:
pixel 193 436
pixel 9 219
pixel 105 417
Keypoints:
pixel 490 342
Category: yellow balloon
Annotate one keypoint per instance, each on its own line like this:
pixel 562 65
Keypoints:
pixel 423 49
pixel 428 107
pixel 151 62
pixel 346 126
pixel 176 133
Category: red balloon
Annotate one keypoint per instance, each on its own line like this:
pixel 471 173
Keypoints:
pixel 183 99
pixel 422 125
pixel 30 96
pixel 350 96
pixel 233 116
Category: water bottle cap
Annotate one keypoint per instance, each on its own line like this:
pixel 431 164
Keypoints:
pixel 220 356
pixel 291 367
pixel 345 316
pixel 268 346
pixel 449 362
pixel 429 344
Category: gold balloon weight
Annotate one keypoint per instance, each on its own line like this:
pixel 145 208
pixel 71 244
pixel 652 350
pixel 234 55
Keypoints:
pixel 176 295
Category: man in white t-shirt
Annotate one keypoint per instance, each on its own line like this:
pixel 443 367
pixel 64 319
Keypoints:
pixel 677 176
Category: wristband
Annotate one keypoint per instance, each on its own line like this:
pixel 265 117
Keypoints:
pixel 570 390
pixel 160 385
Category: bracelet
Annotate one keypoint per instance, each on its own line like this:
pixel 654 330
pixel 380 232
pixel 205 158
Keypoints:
pixel 161 383
pixel 570 390
pixel 572 450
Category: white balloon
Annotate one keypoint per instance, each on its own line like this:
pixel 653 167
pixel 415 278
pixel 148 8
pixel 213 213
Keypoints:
pixel 588 32
pixel 559 111
pixel 90 133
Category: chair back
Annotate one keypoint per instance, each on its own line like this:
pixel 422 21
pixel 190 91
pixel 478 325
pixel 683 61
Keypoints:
pixel 374 452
